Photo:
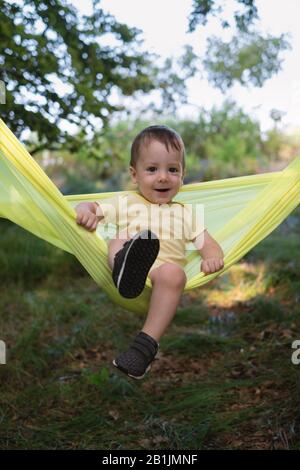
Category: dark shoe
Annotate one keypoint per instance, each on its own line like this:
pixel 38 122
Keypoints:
pixel 136 362
pixel 133 262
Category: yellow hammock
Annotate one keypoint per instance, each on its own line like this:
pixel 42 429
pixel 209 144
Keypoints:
pixel 239 213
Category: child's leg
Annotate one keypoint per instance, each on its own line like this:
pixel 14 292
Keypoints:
pixel 115 245
pixel 168 281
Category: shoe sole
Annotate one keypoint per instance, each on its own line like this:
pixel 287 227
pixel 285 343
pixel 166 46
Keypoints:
pixel 139 258
pixel 129 375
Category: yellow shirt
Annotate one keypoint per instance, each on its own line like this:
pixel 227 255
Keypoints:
pixel 175 224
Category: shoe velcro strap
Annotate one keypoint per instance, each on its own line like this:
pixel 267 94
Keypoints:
pixel 145 339
pixel 145 352
pixel 145 347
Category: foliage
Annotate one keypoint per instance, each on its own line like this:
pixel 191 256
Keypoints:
pixel 248 57
pixel 202 9
pixel 59 67
pixel 224 141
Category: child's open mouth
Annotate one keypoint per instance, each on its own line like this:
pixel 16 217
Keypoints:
pixel 162 190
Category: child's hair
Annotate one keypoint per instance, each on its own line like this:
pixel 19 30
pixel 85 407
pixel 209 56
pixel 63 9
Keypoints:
pixel 163 134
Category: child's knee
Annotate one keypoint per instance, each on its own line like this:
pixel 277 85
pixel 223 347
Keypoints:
pixel 171 274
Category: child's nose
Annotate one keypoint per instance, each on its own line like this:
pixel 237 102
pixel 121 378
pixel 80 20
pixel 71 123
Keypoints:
pixel 162 176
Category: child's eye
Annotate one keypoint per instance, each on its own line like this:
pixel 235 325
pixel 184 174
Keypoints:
pixel 153 168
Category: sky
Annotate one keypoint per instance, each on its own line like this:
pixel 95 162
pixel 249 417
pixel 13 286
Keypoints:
pixel 164 25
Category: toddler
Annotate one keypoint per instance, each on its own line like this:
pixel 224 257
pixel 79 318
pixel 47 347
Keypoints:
pixel 146 245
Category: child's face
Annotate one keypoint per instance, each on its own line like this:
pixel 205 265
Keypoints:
pixel 157 168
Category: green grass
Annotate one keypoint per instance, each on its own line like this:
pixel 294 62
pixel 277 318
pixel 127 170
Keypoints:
pixel 223 380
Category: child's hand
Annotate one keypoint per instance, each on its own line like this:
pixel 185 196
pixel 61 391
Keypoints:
pixel 86 216
pixel 211 265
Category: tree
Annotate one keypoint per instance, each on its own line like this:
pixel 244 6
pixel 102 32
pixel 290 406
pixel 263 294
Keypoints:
pixel 249 57
pixel 46 44
pixel 202 9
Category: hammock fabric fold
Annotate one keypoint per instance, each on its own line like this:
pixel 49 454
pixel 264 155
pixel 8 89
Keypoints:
pixel 239 213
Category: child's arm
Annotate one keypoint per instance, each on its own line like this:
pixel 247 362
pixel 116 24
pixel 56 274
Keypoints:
pixel 88 215
pixel 210 251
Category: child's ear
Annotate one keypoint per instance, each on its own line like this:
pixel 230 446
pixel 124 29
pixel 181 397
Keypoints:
pixel 132 174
